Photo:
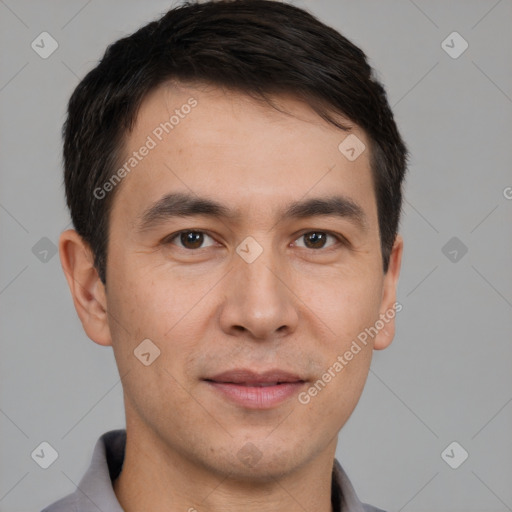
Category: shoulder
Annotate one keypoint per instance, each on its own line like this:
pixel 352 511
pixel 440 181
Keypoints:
pixel 65 504
pixel 369 508
pixel 94 491
pixel 345 493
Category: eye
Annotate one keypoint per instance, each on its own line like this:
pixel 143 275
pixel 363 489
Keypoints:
pixel 188 239
pixel 192 239
pixel 317 239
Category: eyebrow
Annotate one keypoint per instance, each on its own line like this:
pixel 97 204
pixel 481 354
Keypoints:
pixel 185 205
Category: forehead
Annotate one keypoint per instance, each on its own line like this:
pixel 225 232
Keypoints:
pixel 204 140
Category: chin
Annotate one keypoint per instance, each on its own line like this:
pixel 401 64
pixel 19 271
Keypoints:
pixel 253 463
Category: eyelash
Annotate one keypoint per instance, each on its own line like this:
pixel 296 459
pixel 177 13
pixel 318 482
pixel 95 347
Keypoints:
pixel 341 239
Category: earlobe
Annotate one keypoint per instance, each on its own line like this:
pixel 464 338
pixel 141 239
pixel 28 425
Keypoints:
pixel 86 288
pixel 389 305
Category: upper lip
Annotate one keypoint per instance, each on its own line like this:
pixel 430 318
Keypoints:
pixel 243 376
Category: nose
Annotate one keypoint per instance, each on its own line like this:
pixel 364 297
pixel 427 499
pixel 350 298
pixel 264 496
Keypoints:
pixel 259 300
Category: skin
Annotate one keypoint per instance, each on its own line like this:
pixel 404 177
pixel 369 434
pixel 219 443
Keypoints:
pixel 297 307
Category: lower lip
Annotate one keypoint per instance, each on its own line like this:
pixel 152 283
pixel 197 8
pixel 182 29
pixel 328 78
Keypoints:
pixel 257 397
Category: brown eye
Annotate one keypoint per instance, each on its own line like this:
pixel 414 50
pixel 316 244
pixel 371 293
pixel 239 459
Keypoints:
pixel 316 239
pixel 189 239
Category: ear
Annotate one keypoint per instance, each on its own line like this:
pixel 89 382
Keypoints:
pixel 86 288
pixel 389 306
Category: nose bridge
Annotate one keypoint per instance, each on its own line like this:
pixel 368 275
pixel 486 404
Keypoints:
pixel 257 269
pixel 259 276
pixel 260 301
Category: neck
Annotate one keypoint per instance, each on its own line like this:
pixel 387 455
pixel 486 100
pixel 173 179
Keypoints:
pixel 155 477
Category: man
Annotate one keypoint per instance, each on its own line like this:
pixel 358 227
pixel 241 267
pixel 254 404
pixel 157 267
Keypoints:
pixel 234 173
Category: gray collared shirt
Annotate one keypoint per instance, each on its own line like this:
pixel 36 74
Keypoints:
pixel 95 492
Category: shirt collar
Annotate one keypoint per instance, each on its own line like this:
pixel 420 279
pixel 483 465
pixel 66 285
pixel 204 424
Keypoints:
pixel 96 493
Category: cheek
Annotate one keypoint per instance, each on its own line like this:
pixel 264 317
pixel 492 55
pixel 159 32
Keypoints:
pixel 348 310
pixel 345 305
pixel 142 307
pixel 146 306
pixel 332 398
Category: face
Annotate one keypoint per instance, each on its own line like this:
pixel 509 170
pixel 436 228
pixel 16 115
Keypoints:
pixel 273 295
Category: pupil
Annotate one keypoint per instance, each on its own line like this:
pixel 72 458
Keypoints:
pixel 192 238
pixel 316 237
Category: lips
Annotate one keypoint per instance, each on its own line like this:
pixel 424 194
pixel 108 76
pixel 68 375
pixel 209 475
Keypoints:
pixel 244 377
pixel 251 390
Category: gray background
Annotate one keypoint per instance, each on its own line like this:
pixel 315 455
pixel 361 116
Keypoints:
pixel 445 378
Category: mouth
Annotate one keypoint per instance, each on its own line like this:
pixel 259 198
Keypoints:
pixel 253 390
